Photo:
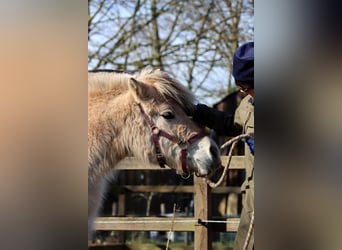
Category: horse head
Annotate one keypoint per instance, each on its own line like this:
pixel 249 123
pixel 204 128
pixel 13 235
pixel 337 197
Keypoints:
pixel 163 133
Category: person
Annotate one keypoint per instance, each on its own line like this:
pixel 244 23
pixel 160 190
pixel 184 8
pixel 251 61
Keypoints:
pixel 223 124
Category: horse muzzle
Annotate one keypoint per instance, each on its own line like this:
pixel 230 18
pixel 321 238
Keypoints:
pixel 205 158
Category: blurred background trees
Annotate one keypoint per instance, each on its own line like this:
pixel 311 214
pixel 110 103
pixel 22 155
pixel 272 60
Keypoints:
pixel 193 40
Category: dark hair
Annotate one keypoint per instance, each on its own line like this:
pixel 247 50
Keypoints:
pixel 246 85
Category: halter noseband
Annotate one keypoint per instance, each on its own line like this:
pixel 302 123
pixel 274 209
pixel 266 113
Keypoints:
pixel 183 144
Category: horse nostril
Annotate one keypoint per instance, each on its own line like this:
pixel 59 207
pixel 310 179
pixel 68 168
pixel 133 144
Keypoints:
pixel 213 152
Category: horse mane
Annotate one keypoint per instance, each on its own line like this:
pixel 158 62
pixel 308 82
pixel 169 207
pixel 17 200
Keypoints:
pixel 104 82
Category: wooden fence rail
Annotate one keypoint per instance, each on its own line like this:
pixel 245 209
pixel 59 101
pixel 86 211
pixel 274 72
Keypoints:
pixel 199 223
pixel 130 163
pixel 181 224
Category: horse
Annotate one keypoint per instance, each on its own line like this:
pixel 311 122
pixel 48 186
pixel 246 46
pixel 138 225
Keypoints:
pixel 143 115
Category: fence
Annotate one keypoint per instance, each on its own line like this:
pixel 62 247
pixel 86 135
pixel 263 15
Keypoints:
pixel 201 223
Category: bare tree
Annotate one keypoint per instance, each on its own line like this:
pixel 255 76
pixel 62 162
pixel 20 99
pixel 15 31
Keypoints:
pixel 194 40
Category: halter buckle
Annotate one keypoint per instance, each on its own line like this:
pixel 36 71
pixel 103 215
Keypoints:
pixel 155 130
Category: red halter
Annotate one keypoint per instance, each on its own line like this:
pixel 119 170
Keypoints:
pixel 183 144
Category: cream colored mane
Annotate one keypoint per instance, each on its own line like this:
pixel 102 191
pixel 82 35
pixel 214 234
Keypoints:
pixel 105 83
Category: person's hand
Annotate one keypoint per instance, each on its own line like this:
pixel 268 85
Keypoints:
pixel 201 112
pixel 250 143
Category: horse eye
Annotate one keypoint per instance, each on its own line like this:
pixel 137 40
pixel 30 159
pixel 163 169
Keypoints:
pixel 168 115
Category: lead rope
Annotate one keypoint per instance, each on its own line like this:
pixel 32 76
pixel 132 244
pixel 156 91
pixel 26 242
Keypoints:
pixel 171 229
pixel 232 141
pixel 249 234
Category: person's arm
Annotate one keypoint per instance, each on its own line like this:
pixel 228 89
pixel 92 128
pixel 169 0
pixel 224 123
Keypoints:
pixel 221 122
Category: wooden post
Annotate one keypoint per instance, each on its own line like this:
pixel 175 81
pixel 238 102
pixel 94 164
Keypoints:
pixel 202 207
pixel 121 212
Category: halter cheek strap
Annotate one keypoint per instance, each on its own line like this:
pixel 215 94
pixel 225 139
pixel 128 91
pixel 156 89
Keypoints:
pixel 157 133
pixel 155 137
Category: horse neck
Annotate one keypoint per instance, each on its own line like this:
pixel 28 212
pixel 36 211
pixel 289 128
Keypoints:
pixel 106 121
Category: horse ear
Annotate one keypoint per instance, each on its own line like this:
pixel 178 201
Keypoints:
pixel 140 89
